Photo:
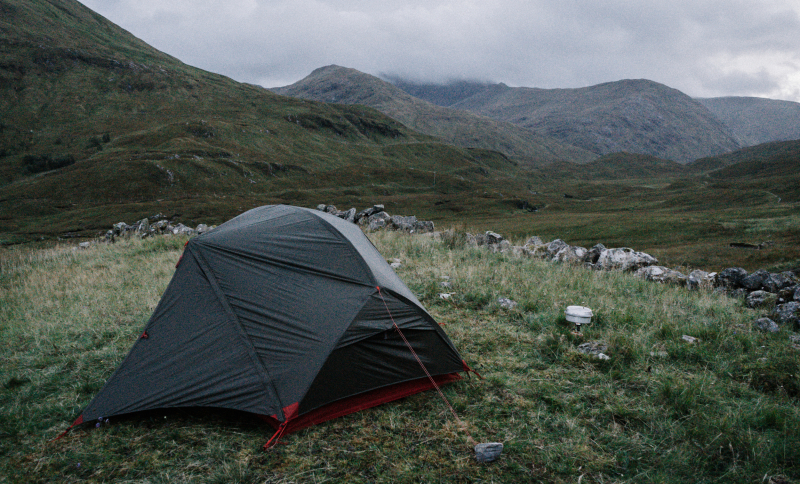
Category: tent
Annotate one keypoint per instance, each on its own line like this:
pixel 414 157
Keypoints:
pixel 284 312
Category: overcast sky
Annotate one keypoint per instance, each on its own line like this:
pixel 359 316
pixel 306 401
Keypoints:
pixel 704 48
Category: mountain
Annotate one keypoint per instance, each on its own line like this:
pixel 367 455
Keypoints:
pixel 637 116
pixel 756 120
pixel 335 84
pixel 97 127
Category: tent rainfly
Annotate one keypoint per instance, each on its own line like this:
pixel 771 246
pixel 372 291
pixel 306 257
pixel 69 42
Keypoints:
pixel 284 312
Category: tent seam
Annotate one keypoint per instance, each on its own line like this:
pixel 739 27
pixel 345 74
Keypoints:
pixel 266 378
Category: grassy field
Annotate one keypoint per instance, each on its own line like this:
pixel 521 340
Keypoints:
pixel 724 409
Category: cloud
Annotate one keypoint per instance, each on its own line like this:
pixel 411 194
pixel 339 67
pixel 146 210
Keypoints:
pixel 702 47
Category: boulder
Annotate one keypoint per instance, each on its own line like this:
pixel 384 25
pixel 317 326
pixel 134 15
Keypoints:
pixel 776 282
pixel 787 314
pixel 756 280
pixel 761 299
pixel 367 212
pixel 731 278
pixel 535 247
pixel 406 224
pixel 493 238
pixel 554 247
pixel 571 254
pixel 661 274
pixel 423 227
pixel 535 241
pixel 767 325
pixel 624 259
pixel 377 220
pixel 181 229
pixel 349 215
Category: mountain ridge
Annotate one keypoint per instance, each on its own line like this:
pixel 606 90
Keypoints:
pixel 343 85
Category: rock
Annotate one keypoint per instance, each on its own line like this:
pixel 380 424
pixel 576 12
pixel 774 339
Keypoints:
pixel 349 215
pixel 143 228
pixel 596 349
pixel 787 314
pixel 761 299
pixel 755 281
pixel 535 241
pixel 423 227
pixel 446 295
pixel 554 247
pixel 395 265
pixel 624 259
pixel 731 278
pixel 378 220
pixel 488 452
pixel 367 212
pixel 796 296
pixel 84 245
pixel 506 303
pixel 535 247
pixel 776 282
pixel 571 254
pixel 689 339
pixel 406 224
pixel 493 238
pixel 593 254
pixel 700 279
pixel 202 228
pixel 321 207
pixel 660 274
pixel 181 229
pixel 766 325
pixel 794 338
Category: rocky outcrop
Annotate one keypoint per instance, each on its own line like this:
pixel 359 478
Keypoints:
pixel 376 218
pixel 152 226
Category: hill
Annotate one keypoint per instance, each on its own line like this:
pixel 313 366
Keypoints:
pixel 335 84
pixel 636 116
pixel 770 167
pixel 97 127
pixel 756 120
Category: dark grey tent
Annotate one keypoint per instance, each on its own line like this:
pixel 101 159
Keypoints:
pixel 284 312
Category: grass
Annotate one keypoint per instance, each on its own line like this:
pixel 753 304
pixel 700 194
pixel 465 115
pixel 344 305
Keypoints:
pixel 724 409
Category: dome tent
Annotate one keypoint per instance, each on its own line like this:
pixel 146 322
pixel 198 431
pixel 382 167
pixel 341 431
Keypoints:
pixel 284 312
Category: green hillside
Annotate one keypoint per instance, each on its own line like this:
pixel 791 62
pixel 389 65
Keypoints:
pixel 98 127
pixel 335 84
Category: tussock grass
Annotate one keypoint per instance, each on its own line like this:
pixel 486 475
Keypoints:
pixel 724 409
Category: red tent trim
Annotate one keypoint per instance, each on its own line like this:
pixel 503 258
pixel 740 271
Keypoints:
pixel 360 402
